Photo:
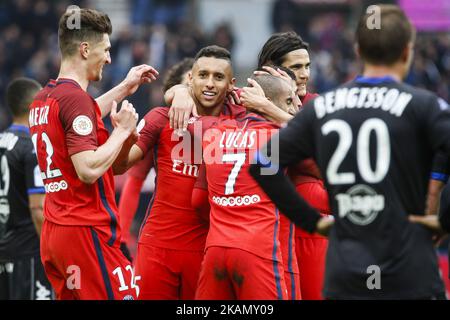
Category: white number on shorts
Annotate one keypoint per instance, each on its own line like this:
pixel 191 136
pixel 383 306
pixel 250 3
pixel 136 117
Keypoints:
pixel 123 286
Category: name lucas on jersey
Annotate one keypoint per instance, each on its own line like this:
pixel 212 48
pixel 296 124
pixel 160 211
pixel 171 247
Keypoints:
pixel 38 116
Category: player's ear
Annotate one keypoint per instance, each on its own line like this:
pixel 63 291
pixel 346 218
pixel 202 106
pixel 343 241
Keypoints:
pixel 231 85
pixel 407 53
pixel 189 79
pixel 84 49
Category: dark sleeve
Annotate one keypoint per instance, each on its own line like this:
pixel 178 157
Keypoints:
pixel 437 115
pixel 295 142
pixel 440 168
pixel 33 177
pixel 444 209
pixel 152 124
pixel 78 118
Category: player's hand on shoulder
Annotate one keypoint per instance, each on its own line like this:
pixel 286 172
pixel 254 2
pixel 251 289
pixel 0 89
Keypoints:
pixel 233 97
pixel 139 75
pixel 181 108
pixel 253 97
pixel 126 118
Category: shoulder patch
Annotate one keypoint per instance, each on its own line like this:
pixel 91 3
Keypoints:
pixel 82 125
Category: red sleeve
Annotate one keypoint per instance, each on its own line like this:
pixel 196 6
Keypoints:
pixel 78 118
pixel 199 200
pixel 152 124
pixel 201 182
pixel 129 202
pixel 141 169
pixel 308 96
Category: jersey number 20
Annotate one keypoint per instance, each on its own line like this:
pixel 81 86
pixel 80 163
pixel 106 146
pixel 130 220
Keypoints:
pixel 344 131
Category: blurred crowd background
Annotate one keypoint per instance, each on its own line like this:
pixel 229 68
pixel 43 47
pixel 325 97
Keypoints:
pixel 162 32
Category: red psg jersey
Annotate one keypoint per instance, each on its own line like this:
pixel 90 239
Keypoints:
pixel 242 216
pixel 65 120
pixel 171 222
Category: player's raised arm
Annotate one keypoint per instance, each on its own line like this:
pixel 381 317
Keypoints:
pixel 90 165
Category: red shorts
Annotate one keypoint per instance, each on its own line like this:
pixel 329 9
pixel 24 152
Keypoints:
pixel 311 253
pixel 293 285
pixel 80 264
pixel 235 274
pixel 167 274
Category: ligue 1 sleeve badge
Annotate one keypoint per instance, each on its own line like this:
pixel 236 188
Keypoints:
pixel 82 125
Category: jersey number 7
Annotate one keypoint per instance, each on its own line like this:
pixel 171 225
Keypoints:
pixel 239 159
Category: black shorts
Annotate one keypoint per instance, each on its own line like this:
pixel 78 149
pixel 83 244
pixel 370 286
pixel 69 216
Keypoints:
pixel 24 279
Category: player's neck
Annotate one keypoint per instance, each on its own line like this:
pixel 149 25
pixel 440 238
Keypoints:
pixel 21 121
pixel 70 69
pixel 379 71
pixel 212 111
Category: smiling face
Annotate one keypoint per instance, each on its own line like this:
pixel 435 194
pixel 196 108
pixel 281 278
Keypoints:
pixel 98 56
pixel 298 61
pixel 211 79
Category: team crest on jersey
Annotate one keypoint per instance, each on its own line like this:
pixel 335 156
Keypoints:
pixel 360 204
pixel 82 125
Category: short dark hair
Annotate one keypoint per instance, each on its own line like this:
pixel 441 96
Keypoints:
pixel 287 70
pixel 19 95
pixel 278 45
pixel 175 74
pixel 271 85
pixel 215 52
pixel 384 45
pixel 93 25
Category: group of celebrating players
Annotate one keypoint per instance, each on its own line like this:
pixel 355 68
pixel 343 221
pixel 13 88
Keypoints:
pixel 249 182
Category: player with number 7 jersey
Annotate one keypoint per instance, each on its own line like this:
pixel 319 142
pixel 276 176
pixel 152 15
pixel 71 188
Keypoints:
pixel 243 258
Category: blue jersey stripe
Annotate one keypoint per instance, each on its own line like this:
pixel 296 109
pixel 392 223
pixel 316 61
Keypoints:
pixel 113 224
pixel 102 264
pixel 40 190
pixel 374 80
pixel 439 176
pixel 290 256
pixel 274 258
pixel 18 127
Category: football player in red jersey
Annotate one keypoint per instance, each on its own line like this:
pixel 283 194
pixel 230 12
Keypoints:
pixel 129 199
pixel 244 256
pixel 289 50
pixel 172 238
pixel 81 236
